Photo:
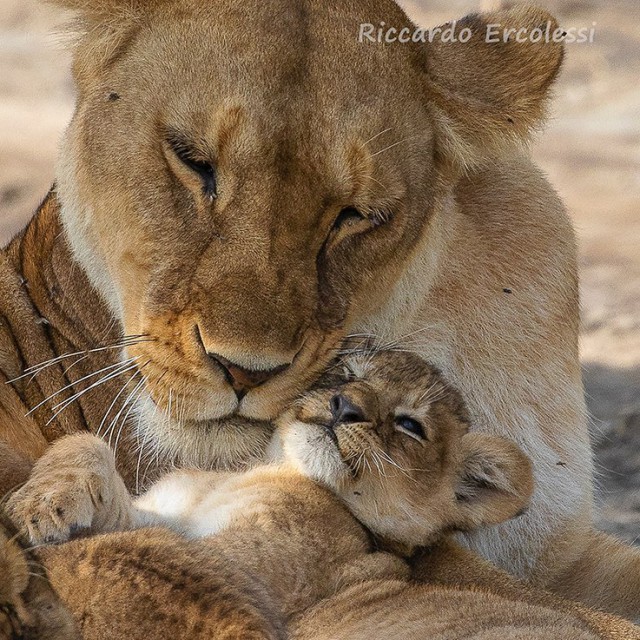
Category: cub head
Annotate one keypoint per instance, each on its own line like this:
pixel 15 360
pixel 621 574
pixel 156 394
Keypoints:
pixel 392 439
pixel 246 183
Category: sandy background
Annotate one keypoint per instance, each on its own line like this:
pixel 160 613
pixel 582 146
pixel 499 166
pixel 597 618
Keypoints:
pixel 591 151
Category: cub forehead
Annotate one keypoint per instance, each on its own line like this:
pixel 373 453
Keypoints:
pixel 407 384
pixel 393 370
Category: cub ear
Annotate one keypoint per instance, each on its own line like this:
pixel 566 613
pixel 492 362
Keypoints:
pixel 488 95
pixel 494 483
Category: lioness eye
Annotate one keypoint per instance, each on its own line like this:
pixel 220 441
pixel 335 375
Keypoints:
pixel 204 169
pixel 206 172
pixel 411 427
pixel 349 215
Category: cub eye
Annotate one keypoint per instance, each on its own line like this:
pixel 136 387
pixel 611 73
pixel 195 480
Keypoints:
pixel 348 216
pixel 410 427
pixel 204 169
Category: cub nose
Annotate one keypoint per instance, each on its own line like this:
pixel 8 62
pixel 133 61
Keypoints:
pixel 344 411
pixel 243 380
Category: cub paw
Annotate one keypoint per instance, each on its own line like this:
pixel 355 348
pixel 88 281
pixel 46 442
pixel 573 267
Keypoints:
pixel 74 487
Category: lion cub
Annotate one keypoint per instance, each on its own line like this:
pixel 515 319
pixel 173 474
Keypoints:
pixel 277 549
pixel 29 607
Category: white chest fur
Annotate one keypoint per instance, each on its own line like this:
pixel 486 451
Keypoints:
pixel 198 504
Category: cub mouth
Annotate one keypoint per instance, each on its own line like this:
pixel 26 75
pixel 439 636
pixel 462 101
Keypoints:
pixel 325 437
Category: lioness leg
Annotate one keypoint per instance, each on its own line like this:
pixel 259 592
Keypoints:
pixel 605 576
pixel 453 565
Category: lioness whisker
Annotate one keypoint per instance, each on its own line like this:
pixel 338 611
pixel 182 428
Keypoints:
pixel 402 343
pixel 141 447
pixel 114 421
pixel 140 390
pixel 361 335
pixel 113 403
pixel 113 424
pixel 372 138
pixel 36 575
pixel 154 454
pixel 125 341
pixel 63 405
pixel 7 496
pixel 33 563
pixel 183 410
pixel 395 144
pixel 34 370
pixel 73 364
pixel 75 382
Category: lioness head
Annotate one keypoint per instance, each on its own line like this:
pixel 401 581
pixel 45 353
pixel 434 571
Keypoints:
pixel 391 438
pixel 246 183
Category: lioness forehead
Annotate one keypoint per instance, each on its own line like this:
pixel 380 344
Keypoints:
pixel 290 66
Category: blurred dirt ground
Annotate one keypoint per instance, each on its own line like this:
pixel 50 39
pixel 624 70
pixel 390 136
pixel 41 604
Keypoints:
pixel 590 150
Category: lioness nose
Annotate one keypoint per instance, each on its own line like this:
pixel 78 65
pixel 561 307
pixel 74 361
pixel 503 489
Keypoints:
pixel 344 411
pixel 243 380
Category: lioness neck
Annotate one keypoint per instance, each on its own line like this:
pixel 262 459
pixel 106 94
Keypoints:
pixel 62 330
pixel 496 310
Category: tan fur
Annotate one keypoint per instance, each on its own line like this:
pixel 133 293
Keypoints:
pixel 29 607
pixel 448 564
pixel 301 122
pixel 272 551
pixel 264 567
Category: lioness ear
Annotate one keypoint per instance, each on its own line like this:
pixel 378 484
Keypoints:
pixel 100 12
pixel 490 91
pixel 495 481
pixel 101 29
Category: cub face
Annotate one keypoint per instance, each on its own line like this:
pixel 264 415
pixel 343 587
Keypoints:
pixel 391 438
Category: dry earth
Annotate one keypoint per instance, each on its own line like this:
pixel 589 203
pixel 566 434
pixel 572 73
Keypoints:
pixel 591 151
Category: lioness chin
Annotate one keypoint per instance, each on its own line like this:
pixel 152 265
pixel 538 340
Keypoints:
pixel 274 554
pixel 244 183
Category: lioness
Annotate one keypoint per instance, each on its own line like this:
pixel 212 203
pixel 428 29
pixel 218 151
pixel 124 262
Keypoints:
pixel 243 184
pixel 387 437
